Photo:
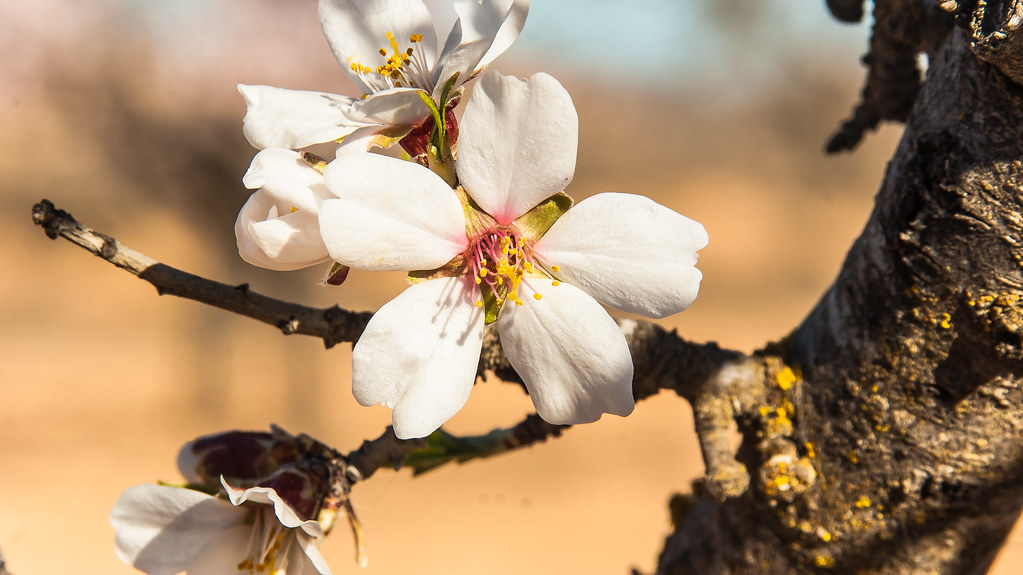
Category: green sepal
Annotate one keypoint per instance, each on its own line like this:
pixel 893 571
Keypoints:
pixel 428 100
pixel 450 269
pixel 491 305
pixel 535 223
pixel 476 220
pixel 389 136
pixel 337 275
pixel 443 165
pixel 442 447
pixel 447 91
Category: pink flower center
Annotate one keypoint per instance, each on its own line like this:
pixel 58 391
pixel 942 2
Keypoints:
pixel 501 261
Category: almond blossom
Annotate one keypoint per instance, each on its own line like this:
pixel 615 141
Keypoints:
pixel 496 250
pixel 408 57
pixel 278 227
pixel 163 530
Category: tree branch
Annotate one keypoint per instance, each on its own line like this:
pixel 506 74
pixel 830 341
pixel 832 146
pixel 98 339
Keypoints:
pixel 333 325
pixel 706 375
pixel 902 29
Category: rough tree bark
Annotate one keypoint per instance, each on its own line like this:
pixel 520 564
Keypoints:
pixel 897 444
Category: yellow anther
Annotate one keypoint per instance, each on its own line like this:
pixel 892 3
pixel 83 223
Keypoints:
pixel 537 297
pixel 382 52
pixel 555 283
pixel 479 302
pixel 415 38
pixel 483 273
pixel 518 302
pixel 479 280
pixel 293 209
pixel 555 268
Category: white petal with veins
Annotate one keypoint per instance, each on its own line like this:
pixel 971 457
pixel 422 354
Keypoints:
pixel 161 529
pixel 390 215
pixel 419 354
pixel 356 30
pixel 570 354
pixel 517 144
pixel 628 252
pixel 281 118
pixel 269 240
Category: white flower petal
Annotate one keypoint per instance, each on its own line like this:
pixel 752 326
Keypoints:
pixel 356 30
pixel 280 118
pixel 393 107
pixel 509 31
pixel 284 243
pixel 312 562
pixel 390 215
pixel 443 14
pixel 224 552
pixel 267 496
pixel 517 143
pixel 291 239
pixel 160 529
pixel 471 38
pixel 628 252
pixel 369 139
pixel 283 174
pixel 571 355
pixel 419 354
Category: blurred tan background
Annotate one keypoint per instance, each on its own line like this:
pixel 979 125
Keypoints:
pixel 125 113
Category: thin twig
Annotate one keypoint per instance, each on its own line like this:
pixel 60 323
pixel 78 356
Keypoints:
pixel 902 29
pixel 333 325
pixel 428 453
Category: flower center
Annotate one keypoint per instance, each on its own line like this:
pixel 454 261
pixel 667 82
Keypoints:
pixel 501 262
pixel 401 68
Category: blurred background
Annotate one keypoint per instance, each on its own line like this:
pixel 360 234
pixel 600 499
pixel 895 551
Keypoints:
pixel 125 113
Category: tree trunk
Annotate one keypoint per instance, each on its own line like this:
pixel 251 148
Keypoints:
pixel 895 443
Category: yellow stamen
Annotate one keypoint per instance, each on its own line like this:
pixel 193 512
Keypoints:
pixel 537 297
pixel 555 268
